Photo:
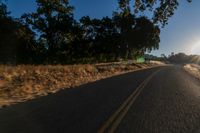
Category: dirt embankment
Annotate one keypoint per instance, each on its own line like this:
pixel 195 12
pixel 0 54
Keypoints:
pixel 24 82
pixel 193 69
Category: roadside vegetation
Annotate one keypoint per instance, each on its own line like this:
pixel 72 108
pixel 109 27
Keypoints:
pixel 25 82
pixel 182 58
pixel 193 69
pixel 51 35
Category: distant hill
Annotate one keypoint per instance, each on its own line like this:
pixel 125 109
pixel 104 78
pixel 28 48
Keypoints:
pixel 183 58
pixel 151 57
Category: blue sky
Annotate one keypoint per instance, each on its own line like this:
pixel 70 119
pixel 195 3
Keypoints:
pixel 182 34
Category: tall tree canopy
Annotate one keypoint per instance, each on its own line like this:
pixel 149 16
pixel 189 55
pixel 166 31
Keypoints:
pixel 52 35
pixel 54 21
pixel 16 40
pixel 162 9
pixel 138 34
pixel 3 10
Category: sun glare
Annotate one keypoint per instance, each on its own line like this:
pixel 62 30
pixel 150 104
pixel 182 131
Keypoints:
pixel 196 49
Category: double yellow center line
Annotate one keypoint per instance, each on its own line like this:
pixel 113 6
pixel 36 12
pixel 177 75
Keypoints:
pixel 113 122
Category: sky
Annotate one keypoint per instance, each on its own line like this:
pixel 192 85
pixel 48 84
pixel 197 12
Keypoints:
pixel 182 34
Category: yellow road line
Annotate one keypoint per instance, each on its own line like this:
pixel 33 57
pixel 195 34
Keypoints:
pixel 112 123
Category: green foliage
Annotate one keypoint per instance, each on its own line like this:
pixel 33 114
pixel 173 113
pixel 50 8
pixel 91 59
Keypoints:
pixel 137 34
pixel 17 40
pixel 53 20
pixel 50 35
pixel 3 11
pixel 162 9
pixel 182 58
pixel 124 6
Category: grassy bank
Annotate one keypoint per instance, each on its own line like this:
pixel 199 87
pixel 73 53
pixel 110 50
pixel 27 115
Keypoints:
pixel 24 82
pixel 193 69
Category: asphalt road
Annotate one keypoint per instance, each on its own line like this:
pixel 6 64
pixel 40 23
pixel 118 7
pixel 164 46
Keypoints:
pixel 157 100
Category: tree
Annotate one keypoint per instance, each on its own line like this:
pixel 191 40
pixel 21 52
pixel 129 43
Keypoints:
pixel 16 39
pixel 138 34
pixel 179 58
pixel 100 37
pixel 162 9
pixel 53 21
pixel 146 35
pixel 51 35
pixel 3 10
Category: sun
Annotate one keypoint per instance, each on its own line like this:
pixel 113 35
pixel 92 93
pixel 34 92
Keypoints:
pixel 196 49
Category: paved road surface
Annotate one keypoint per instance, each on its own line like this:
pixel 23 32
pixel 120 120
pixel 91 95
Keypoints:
pixel 157 100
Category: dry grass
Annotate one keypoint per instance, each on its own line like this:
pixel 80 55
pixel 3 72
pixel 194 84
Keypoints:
pixel 193 69
pixel 24 82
